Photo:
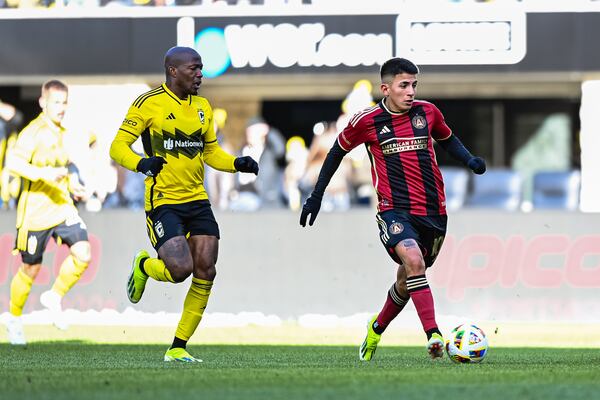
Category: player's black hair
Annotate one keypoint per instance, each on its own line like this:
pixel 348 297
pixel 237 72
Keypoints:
pixel 395 66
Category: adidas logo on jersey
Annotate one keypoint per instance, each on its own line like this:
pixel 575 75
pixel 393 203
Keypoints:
pixel 170 116
pixel 385 129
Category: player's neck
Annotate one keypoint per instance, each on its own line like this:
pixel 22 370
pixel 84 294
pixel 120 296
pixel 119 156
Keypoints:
pixel 57 126
pixel 391 108
pixel 176 91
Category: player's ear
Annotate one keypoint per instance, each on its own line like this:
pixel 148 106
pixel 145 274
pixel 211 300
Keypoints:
pixel 385 88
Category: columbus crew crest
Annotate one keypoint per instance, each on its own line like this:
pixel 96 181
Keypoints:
pixel 201 115
pixel 158 228
pixel 418 122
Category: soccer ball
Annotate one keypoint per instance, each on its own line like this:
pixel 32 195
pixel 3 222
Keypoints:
pixel 467 344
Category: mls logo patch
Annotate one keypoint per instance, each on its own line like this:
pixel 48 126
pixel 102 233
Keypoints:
pixel 396 228
pixel 158 228
pixel 201 115
pixel 418 122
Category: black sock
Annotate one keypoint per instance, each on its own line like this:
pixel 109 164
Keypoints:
pixel 432 331
pixel 378 329
pixel 179 343
pixel 142 261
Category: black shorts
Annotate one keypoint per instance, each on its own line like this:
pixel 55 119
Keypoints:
pixel 62 233
pixel 186 219
pixel 428 231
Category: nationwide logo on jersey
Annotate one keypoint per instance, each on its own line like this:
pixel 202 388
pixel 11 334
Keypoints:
pixel 419 122
pixel 178 143
pixel 201 115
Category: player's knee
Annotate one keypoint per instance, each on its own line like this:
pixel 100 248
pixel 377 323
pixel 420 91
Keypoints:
pixel 206 268
pixel 414 264
pixel 31 270
pixel 208 274
pixel 180 271
pixel 82 253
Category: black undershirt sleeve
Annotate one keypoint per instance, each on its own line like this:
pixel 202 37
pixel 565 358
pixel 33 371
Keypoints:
pixel 330 165
pixel 456 149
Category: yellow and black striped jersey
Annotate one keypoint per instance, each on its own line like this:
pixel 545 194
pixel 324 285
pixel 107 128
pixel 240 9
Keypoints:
pixel 42 204
pixel 182 132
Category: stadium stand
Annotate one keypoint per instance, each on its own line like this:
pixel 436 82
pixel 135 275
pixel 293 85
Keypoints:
pixel 456 186
pixel 497 188
pixel 556 190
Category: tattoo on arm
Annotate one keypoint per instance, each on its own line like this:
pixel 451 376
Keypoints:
pixel 409 243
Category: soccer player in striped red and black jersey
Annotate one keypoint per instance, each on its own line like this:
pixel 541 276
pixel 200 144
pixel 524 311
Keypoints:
pixel 398 133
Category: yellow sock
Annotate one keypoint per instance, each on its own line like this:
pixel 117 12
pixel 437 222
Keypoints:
pixel 70 272
pixel 156 269
pixel 193 308
pixel 19 291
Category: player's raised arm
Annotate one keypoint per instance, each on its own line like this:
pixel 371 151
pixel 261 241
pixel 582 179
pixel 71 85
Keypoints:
pixel 452 144
pixel 458 151
pixel 330 165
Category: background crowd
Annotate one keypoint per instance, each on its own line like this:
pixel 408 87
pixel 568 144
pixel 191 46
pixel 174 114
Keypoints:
pixel 289 166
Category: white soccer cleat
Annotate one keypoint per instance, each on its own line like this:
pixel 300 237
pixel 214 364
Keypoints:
pixel 51 300
pixel 14 327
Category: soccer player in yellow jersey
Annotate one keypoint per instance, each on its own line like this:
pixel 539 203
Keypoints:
pixel 178 135
pixel 45 208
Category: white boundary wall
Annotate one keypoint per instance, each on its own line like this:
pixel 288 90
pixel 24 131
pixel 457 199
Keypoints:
pixel 495 266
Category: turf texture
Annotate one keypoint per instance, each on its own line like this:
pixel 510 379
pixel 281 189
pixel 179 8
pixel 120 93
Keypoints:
pixel 85 370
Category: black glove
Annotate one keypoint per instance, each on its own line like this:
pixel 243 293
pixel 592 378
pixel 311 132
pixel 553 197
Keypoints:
pixel 312 207
pixel 151 166
pixel 477 165
pixel 246 164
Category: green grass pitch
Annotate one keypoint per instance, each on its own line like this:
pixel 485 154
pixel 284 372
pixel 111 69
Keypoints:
pixel 85 370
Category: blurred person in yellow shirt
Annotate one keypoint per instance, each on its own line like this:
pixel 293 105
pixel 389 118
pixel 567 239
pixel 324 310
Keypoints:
pixel 11 120
pixel 45 209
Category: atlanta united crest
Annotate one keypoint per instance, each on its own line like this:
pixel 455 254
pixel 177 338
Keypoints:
pixel 201 115
pixel 396 228
pixel 418 122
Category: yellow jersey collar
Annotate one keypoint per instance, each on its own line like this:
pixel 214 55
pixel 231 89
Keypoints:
pixel 53 127
pixel 174 96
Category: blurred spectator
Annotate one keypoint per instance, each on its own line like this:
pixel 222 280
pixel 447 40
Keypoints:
pixel 337 195
pixel 97 176
pixel 219 184
pixel 266 144
pixel 129 186
pixel 359 98
pixel 296 155
pixel 11 121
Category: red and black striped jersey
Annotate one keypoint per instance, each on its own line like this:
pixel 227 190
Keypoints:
pixel 404 169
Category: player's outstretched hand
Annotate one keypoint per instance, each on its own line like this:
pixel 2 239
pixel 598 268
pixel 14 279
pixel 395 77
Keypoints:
pixel 246 164
pixel 151 166
pixel 477 165
pixel 311 207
